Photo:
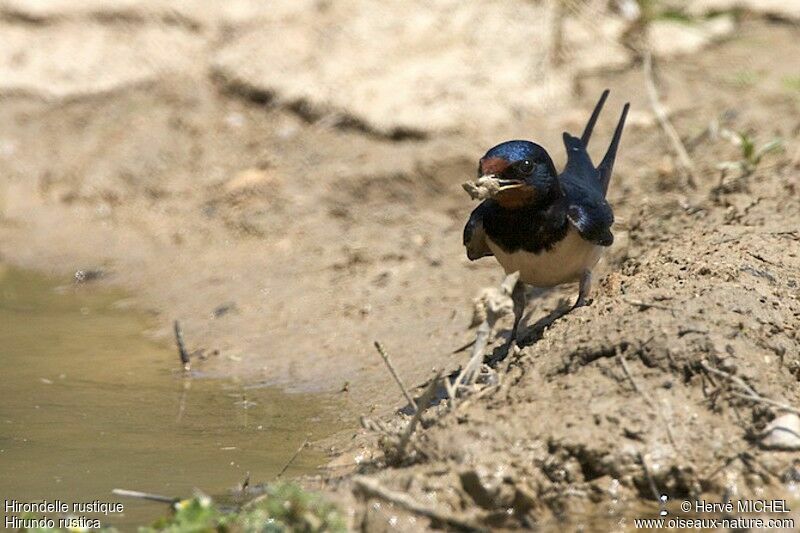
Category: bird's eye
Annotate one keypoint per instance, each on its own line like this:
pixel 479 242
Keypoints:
pixel 526 167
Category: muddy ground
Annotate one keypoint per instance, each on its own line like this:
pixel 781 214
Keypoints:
pixel 286 238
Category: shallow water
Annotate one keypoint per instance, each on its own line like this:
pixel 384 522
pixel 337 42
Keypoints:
pixel 89 404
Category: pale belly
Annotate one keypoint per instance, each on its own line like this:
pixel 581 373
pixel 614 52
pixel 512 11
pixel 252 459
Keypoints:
pixel 564 263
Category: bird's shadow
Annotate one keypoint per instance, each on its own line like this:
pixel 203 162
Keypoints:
pixel 532 335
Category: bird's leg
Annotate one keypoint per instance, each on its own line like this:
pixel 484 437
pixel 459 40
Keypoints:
pixel 584 290
pixel 518 297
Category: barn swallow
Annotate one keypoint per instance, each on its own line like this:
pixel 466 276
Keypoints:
pixel 551 228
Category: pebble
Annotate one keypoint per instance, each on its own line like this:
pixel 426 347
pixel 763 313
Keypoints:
pixel 783 433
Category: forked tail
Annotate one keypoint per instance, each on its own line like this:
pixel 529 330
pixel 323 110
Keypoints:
pixel 607 164
pixel 587 131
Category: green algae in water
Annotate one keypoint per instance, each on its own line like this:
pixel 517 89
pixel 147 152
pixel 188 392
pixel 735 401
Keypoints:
pixel 89 404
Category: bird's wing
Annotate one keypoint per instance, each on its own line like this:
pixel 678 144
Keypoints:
pixel 475 236
pixel 592 217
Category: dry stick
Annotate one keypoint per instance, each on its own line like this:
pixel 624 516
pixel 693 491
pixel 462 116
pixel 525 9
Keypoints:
pixel 291 460
pixel 761 399
pixel 184 355
pixel 650 481
pixel 424 401
pixel 385 356
pixel 648 305
pixel 373 488
pixel 760 258
pixel 470 372
pixel 725 464
pixel 647 400
pixel 663 120
pixel 630 377
pixel 463 348
pixel 727 375
pixel 145 496
pixel 245 483
pixel 751 395
pixel 187 384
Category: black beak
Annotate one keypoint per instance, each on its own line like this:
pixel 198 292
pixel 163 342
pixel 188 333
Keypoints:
pixel 503 184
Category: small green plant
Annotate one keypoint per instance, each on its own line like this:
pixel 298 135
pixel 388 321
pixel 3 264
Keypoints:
pixel 196 514
pixel 791 83
pixel 656 10
pixel 291 508
pixel 743 78
pixel 751 155
pixel 283 507
pixel 676 15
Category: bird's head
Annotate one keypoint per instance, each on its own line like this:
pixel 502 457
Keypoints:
pixel 524 172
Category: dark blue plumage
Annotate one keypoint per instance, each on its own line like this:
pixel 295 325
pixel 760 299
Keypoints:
pixel 550 227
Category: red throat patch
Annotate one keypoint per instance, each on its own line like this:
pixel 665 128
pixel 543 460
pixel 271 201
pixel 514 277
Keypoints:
pixel 516 197
pixel 493 165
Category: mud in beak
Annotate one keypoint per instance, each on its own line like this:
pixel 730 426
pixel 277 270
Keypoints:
pixel 509 193
pixel 502 184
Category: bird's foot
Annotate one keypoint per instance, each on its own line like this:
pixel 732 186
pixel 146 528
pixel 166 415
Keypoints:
pixel 515 340
pixel 582 302
pixel 584 290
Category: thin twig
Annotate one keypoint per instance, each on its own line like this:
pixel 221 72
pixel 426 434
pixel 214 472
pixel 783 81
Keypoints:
pixel 725 464
pixel 630 377
pixel 650 480
pixel 496 305
pixel 385 356
pixel 648 305
pixel 373 488
pixel 187 384
pixel 760 258
pixel 245 484
pixel 424 402
pixel 463 348
pixel 727 375
pixel 768 401
pixel 184 355
pixel 751 394
pixel 666 125
pixel 647 399
pixel 145 496
pixel 292 458
pixel 470 372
